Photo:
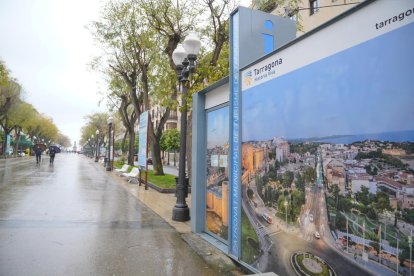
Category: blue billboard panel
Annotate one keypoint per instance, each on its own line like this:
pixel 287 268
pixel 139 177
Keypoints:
pixel 143 135
pixel 8 141
pixel 327 143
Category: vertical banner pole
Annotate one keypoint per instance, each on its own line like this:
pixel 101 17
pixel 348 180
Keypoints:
pixel 235 209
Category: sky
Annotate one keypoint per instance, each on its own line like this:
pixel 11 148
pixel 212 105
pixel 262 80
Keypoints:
pixel 47 48
pixel 366 89
pixel 218 127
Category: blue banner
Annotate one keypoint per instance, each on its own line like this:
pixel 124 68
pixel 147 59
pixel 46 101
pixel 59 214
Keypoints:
pixel 8 139
pixel 143 135
pixel 235 211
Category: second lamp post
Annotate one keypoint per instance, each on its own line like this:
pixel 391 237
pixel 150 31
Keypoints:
pixel 97 146
pixel 109 163
pixel 184 58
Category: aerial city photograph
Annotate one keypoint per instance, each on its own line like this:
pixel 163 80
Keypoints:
pixel 217 172
pixel 328 165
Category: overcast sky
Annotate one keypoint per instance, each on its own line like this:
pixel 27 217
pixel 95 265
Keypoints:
pixel 47 48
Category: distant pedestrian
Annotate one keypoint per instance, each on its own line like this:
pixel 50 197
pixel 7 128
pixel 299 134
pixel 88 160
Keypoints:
pixel 52 153
pixel 38 153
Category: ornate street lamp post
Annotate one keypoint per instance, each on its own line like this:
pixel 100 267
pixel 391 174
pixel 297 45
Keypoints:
pixel 97 146
pixel 92 146
pixel 184 58
pixel 109 163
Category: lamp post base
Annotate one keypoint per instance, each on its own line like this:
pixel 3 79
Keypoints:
pixel 181 213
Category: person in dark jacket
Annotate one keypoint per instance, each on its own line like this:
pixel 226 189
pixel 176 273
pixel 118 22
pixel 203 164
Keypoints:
pixel 38 153
pixel 52 153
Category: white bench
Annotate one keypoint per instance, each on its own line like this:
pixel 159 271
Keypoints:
pixel 133 174
pixel 122 170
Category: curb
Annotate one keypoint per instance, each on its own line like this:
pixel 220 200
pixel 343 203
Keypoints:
pixel 163 190
pixel 211 255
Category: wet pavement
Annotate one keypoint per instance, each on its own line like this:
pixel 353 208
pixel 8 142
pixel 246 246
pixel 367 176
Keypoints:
pixel 72 219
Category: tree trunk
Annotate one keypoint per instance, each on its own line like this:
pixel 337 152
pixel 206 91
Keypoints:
pixel 16 145
pixel 124 141
pixel 154 140
pixel 156 159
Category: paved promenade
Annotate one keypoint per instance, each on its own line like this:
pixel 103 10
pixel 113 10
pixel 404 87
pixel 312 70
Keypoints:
pixel 74 218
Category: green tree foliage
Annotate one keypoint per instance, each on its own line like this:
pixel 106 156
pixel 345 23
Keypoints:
pixel 393 161
pixel 345 204
pixel 335 193
pixel 300 182
pixel 9 99
pixel 297 200
pixel 259 185
pixel 407 146
pixel 363 196
pixel 309 175
pixel 382 202
pixel 287 179
pixel 126 111
pixel 302 148
pixel 340 222
pixel 4 73
pixel 272 173
pixel 95 121
pixel 19 116
pixel 133 31
pixel 170 140
pixel 281 206
pixel 408 215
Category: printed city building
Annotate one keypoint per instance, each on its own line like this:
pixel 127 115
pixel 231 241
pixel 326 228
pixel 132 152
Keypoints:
pixel 407 202
pixel 362 180
pixel 335 174
pixel 253 158
pixel 282 148
pixel 217 201
pixel 403 177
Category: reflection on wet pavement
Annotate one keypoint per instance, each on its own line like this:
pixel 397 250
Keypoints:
pixel 71 219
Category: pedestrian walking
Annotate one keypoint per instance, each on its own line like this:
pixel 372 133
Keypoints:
pixel 52 153
pixel 38 153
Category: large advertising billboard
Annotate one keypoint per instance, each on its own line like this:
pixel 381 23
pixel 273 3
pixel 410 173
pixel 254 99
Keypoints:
pixel 327 149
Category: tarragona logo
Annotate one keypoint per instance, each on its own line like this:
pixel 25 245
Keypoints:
pixel 247 78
